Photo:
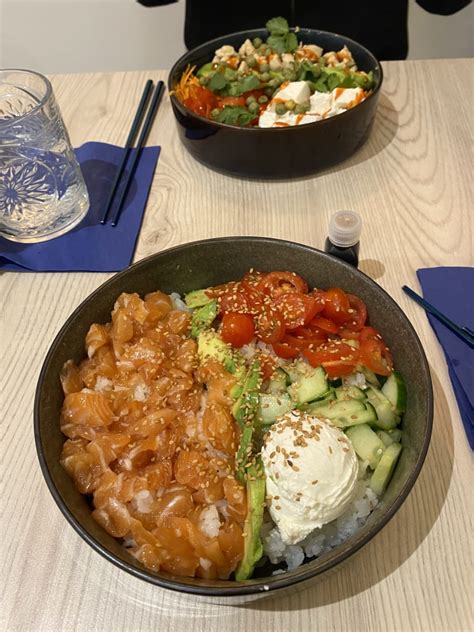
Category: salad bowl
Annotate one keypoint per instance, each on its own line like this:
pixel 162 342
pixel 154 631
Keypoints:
pixel 202 264
pixel 276 152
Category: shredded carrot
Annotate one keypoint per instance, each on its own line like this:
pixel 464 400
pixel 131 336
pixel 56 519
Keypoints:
pixel 187 79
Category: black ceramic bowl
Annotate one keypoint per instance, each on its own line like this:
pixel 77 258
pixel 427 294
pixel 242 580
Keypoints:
pixel 201 264
pixel 289 152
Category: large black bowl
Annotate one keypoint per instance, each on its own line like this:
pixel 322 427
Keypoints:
pixel 211 262
pixel 276 152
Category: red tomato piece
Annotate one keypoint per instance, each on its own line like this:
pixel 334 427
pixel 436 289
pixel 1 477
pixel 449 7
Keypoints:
pixel 277 283
pixel 270 325
pixel 233 300
pixel 237 329
pixel 285 351
pixel 376 356
pixel 336 358
pixel 324 324
pixel 358 313
pixel 251 279
pixel 297 309
pixel 338 368
pixel 337 306
pixel 320 298
pixel 232 101
pixel 369 333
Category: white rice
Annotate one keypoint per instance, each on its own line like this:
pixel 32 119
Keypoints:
pixel 322 540
pixel 209 522
pixel 178 302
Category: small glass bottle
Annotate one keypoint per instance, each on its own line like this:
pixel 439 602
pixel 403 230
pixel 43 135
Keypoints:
pixel 343 236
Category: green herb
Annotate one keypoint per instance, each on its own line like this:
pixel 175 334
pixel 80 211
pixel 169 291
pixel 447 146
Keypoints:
pixel 308 71
pixel 217 81
pixel 235 115
pixel 280 39
pixel 278 26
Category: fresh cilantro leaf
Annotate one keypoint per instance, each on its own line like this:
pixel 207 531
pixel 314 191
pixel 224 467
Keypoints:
pixel 320 85
pixel 234 115
pixel 277 44
pixel 308 71
pixel 278 26
pixel 334 81
pixel 291 42
pixel 249 82
pixel 217 82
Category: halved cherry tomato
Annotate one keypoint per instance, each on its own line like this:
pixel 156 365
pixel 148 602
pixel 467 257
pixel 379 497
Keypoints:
pixel 297 309
pixel 376 356
pixel 201 100
pixel 325 324
pixel 285 351
pixel 237 329
pixel 270 326
pixel 336 358
pixel 219 290
pixel 267 365
pixel 320 298
pixel 277 283
pixel 369 333
pixel 310 333
pixel 233 299
pixel 337 306
pixel 358 315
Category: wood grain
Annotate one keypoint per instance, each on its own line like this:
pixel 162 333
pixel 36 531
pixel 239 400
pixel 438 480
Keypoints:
pixel 412 185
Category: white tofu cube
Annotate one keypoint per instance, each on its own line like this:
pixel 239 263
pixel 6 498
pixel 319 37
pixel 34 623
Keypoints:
pixel 320 103
pixel 309 118
pixel 267 119
pixel 298 91
pixel 345 96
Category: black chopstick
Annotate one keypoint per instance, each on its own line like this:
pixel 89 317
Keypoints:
pixel 128 145
pixel 150 117
pixel 463 332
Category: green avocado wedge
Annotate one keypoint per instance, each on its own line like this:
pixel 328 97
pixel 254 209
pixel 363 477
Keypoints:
pixel 253 547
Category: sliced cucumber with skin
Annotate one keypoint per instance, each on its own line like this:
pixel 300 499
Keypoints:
pixel 386 417
pixel 367 445
pixel 309 386
pixel 395 391
pixel 370 376
pixel 271 406
pixel 349 392
pixel 278 382
pixel 347 413
pixel 311 406
pixel 385 437
pixel 395 435
pixel 292 372
pixel 384 470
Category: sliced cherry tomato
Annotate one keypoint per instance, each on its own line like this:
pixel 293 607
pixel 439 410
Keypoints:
pixel 270 325
pixel 237 329
pixel 320 298
pixel 233 300
pixel 337 306
pixel 301 343
pixel 336 358
pixel 325 324
pixel 297 309
pixel 285 351
pixel 267 365
pixel 348 334
pixel 358 313
pixel 338 368
pixel 201 100
pixel 277 283
pixel 369 333
pixel 310 333
pixel 219 290
pixel 376 356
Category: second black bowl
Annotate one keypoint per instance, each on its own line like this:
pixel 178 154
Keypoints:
pixel 290 152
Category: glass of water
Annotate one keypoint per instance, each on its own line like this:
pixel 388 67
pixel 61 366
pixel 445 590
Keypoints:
pixel 42 191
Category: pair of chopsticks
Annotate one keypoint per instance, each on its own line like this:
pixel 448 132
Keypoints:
pixel 150 117
pixel 463 332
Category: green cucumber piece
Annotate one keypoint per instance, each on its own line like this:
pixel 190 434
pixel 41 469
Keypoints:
pixel 395 435
pixel 384 470
pixel 309 386
pixel 366 444
pixel 395 391
pixel 349 392
pixel 347 413
pixel 293 372
pixel 369 375
pixel 385 437
pixel 313 406
pixel 278 382
pixel 386 417
pixel 366 416
pixel 271 406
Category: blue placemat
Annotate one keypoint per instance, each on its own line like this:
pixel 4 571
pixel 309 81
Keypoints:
pixel 91 246
pixel 451 290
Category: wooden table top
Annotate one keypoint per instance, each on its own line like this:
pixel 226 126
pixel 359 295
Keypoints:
pixel 412 184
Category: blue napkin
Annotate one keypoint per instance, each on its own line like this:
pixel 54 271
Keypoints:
pixel 91 246
pixel 451 290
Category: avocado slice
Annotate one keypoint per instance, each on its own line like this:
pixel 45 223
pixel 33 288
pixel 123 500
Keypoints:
pixel 202 317
pixel 245 412
pixel 211 346
pixel 197 298
pixel 253 547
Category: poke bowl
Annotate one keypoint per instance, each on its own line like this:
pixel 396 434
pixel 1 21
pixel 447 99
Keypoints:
pixel 246 106
pixel 165 453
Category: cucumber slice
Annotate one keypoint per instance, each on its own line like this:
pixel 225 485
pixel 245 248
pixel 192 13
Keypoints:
pixel 369 376
pixel 385 437
pixel 395 391
pixel 366 416
pixel 293 372
pixel 309 386
pixel 313 406
pixel 386 417
pixel 395 435
pixel 278 382
pixel 346 413
pixel 384 470
pixel 349 392
pixel 272 406
pixel 366 444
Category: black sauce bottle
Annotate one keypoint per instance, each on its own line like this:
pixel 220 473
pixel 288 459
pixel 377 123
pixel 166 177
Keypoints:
pixel 343 236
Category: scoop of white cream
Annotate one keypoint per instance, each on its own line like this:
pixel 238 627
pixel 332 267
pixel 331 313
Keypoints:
pixel 311 473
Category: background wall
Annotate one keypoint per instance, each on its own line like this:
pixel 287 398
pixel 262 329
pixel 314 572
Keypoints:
pixel 86 35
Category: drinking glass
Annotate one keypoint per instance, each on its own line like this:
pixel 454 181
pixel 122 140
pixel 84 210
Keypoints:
pixel 42 191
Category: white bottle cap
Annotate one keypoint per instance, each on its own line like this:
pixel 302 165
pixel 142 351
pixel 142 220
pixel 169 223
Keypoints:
pixel 345 228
